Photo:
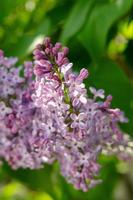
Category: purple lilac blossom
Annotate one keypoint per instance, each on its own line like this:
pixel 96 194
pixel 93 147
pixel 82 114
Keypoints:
pixel 81 127
pixel 47 116
pixel 16 113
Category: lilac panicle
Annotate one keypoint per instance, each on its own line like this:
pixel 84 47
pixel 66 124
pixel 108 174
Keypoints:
pixel 17 112
pixel 80 127
pixel 47 115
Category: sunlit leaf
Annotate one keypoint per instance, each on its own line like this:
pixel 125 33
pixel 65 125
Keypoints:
pixel 27 42
pixel 76 19
pixel 37 180
pixel 94 34
pixel 7 7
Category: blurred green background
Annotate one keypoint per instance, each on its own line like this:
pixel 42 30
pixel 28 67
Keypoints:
pixel 99 34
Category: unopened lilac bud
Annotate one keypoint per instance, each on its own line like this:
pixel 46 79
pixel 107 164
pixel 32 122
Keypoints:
pixel 65 51
pixel 47 42
pixel 58 45
pixel 38 56
pixel 36 52
pixel 83 74
pixel 1 53
pixel 47 51
pixel 54 50
pixel 65 61
pixel 39 46
pixel 108 101
pixel 42 62
pixel 40 70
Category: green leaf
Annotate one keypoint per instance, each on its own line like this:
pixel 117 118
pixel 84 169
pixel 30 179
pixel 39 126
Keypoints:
pixel 27 42
pixel 7 7
pixel 94 34
pixel 76 19
pixel 37 180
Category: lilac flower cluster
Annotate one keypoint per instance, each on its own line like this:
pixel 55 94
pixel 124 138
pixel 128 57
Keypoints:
pixel 75 128
pixel 52 118
pixel 16 112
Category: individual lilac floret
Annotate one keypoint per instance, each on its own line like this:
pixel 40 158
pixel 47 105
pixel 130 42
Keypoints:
pixel 74 128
